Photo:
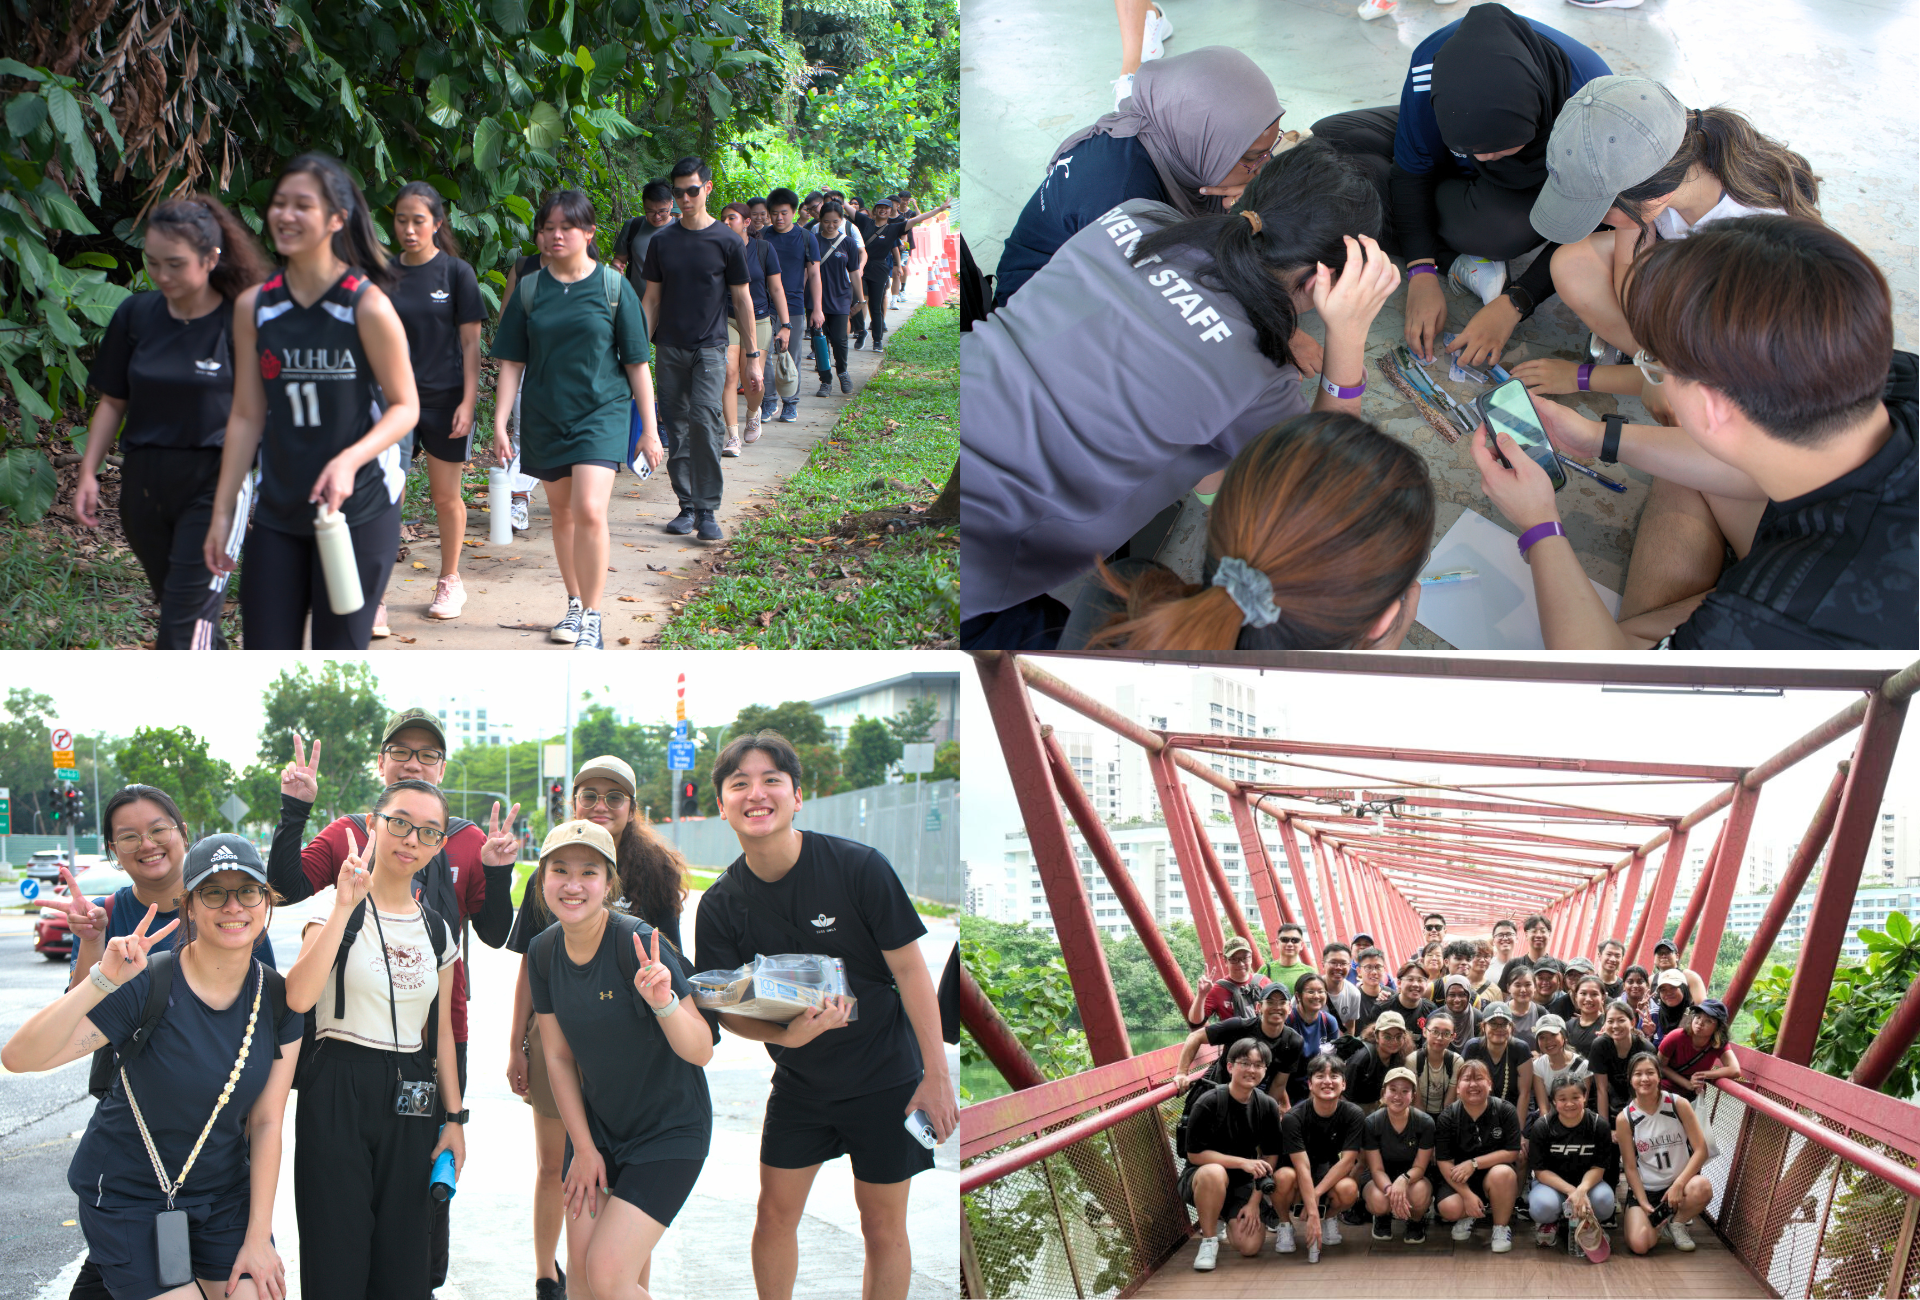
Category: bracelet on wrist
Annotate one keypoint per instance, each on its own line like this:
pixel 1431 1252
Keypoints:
pixel 1538 533
pixel 1335 390
pixel 101 980
pixel 1584 375
pixel 1425 268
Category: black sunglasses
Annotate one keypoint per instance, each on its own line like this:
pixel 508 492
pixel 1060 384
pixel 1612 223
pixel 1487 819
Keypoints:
pixel 688 191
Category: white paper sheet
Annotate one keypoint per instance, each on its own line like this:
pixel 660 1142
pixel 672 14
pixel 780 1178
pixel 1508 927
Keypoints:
pixel 1499 611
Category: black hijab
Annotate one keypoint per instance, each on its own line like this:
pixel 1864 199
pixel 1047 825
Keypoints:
pixel 1498 82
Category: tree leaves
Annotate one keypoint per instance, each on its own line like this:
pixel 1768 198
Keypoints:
pixel 442 110
pixel 27 482
pixel 544 126
pixel 487 138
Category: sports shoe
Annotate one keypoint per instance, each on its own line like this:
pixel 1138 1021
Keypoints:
pixel 878 345
pixel 846 382
pixel 1330 1229
pixel 1682 1239
pixel 1150 44
pixel 789 410
pixel 380 627
pixel 770 407
pixel 1604 4
pixel 1208 1255
pixel 518 515
pixel 681 524
pixel 1603 352
pixel 731 447
pixel 1502 1238
pixel 567 630
pixel 826 388
pixel 1463 1229
pixel 546 1288
pixel 751 434
pixel 1372 9
pixel 1162 25
pixel 589 631
pixel 706 527
pixel 449 597
pixel 1416 1232
pixel 1478 278
pixel 1545 1234
pixel 1355 1216
pixel 1383 1227
pixel 859 340
pixel 900 299
pixel 1283 1238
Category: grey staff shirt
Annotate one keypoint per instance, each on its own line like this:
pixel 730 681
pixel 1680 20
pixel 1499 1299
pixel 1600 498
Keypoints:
pixel 1094 399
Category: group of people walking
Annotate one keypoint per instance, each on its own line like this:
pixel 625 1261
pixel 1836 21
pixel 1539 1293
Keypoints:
pixel 198 1038
pixel 1338 1098
pixel 329 373
pixel 1186 226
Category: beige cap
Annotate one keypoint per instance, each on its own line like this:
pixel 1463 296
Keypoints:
pixel 1389 1020
pixel 1235 944
pixel 614 769
pixel 1671 975
pixel 584 832
pixel 1399 1072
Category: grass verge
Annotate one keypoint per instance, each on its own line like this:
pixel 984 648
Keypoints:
pixel 58 592
pixel 823 567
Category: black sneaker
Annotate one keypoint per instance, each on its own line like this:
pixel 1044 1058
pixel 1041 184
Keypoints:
pixel 1355 1214
pixel 860 339
pixel 545 1288
pixel 706 527
pixel 681 523
pixel 567 630
pixel 589 631
pixel 846 383
pixel 1416 1232
pixel 1383 1227
pixel 826 388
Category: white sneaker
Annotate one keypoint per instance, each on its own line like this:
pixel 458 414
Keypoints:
pixel 1150 46
pixel 1330 1229
pixel 1283 1238
pixel 1208 1255
pixel 1163 25
pixel 380 627
pixel 1478 278
pixel 1603 352
pixel 1682 1239
pixel 449 597
pixel 1122 89
pixel 732 445
pixel 1462 1229
pixel 1502 1238
pixel 1372 9
pixel 519 515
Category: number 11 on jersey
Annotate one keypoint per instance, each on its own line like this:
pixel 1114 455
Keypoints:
pixel 312 394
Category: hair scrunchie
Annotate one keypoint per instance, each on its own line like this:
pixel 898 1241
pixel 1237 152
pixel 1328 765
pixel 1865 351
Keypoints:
pixel 1251 590
pixel 1253 218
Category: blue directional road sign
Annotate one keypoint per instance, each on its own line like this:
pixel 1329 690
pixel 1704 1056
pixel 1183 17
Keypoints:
pixel 29 889
pixel 680 729
pixel 680 755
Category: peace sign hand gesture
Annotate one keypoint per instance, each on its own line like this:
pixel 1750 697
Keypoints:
pixel 355 878
pixel 300 778
pixel 503 846
pixel 653 981
pixel 86 918
pixel 126 956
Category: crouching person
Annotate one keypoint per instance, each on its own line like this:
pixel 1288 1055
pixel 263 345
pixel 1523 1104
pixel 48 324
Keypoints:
pixel 1233 1151
pixel 1321 1140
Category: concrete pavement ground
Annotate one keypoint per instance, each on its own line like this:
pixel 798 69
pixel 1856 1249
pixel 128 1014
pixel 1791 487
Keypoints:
pixel 704 1252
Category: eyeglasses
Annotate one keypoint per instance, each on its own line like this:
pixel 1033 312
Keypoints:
pixel 401 754
pixel 687 191
pixel 130 841
pixel 1435 929
pixel 400 826
pixel 615 800
pixel 1656 373
pixel 216 896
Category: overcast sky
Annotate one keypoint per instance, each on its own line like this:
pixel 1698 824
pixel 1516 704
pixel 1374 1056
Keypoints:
pixel 1572 721
pixel 218 695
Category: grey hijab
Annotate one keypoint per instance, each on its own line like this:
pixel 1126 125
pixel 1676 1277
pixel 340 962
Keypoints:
pixel 1196 113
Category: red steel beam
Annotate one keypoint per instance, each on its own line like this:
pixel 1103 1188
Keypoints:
pixel 982 1172
pixel 1805 854
pixel 1236 915
pixel 1422 878
pixel 1653 916
pixel 1328 899
pixel 1853 832
pixel 1891 1043
pixel 1186 854
pixel 1362 915
pixel 1629 895
pixel 1093 832
pixel 995 1038
pixel 1246 824
pixel 1697 895
pixel 1713 914
pixel 1492 854
pixel 1309 913
pixel 1582 925
pixel 1086 960
pixel 1455 870
pixel 1202 741
pixel 1538 811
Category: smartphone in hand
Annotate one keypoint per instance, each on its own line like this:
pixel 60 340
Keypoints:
pixel 1507 409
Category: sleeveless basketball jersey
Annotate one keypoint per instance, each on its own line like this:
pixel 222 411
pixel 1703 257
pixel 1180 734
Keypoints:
pixel 1659 1143
pixel 321 399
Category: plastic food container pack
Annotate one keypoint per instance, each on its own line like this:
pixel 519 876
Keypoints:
pixel 776 988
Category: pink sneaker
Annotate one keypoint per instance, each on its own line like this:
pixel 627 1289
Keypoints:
pixel 1372 9
pixel 380 627
pixel 449 597
pixel 751 434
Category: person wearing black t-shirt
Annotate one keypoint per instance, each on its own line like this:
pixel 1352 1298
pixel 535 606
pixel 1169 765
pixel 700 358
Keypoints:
pixel 1398 1142
pixel 438 298
pixel 324 395
pixel 1367 1070
pixel 883 241
pixel 1617 1045
pixel 696 277
pixel 164 371
pixel 1234 1140
pixel 1568 1152
pixel 630 245
pixel 840 1087
pixel 625 1057
pixel 1477 1144
pixel 1320 1139
pixel 1410 1000
pixel 842 259
pixel 769 303
pixel 1284 1047
pixel 1507 1055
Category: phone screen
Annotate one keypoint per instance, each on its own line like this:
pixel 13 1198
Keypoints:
pixel 1508 409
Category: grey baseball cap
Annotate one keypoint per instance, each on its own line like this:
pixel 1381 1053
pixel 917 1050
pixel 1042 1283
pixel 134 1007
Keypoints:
pixel 1611 134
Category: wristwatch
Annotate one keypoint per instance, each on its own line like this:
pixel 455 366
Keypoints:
pixel 753 354
pixel 1610 440
pixel 1521 300
pixel 458 1116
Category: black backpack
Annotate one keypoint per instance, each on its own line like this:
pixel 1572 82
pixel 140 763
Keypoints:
pixel 438 933
pixel 160 967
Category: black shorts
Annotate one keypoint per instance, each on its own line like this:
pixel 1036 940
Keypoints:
pixel 801 1132
pixel 120 1242
pixel 433 434
pixel 1476 1183
pixel 559 472
pixel 657 1188
pixel 1239 1190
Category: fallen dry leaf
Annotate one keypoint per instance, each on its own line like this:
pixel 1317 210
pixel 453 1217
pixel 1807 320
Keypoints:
pixel 418 565
pixel 405 640
pixel 658 568
pixel 626 640
pixel 631 600
pixel 766 618
pixel 470 542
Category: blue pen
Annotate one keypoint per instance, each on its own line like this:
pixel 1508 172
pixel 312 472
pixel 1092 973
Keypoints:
pixel 1450 578
pixel 1601 479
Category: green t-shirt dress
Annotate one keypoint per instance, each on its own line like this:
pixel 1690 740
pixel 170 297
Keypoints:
pixel 575 394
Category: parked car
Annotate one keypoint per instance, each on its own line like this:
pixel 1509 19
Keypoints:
pixel 51 937
pixel 45 865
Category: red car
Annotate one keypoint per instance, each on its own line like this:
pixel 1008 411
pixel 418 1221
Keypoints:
pixel 51 937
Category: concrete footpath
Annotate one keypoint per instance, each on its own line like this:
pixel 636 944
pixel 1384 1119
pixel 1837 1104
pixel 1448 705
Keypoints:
pixel 514 592
pixel 705 1252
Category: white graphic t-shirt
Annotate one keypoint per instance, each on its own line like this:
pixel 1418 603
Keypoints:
pixel 416 979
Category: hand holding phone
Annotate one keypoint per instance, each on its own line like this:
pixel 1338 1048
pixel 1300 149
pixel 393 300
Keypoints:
pixel 1507 409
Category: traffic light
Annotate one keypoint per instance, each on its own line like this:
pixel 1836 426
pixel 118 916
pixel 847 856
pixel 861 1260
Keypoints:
pixel 56 800
pixel 556 804
pixel 689 800
pixel 76 805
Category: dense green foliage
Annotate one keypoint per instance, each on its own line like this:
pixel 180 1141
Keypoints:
pixel 1861 1000
pixel 1020 972
pixel 894 122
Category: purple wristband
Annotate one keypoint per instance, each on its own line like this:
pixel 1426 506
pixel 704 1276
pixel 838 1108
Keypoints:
pixel 1338 391
pixel 1426 268
pixel 1586 373
pixel 1539 533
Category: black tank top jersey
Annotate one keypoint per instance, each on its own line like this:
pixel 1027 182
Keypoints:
pixel 321 399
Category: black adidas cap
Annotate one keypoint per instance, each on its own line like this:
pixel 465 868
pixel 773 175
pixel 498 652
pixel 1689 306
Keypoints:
pixel 223 852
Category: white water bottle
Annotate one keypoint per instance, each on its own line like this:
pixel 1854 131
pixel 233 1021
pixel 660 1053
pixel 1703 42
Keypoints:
pixel 499 507
pixel 336 561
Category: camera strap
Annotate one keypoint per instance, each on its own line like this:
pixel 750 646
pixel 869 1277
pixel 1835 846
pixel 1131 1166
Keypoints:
pixel 393 1013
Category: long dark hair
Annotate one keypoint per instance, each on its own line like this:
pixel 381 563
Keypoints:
pixel 653 876
pixel 206 226
pixel 357 242
pixel 436 208
pixel 1755 171
pixel 1306 200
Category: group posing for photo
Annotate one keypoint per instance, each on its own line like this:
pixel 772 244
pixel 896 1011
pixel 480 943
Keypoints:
pixel 174 976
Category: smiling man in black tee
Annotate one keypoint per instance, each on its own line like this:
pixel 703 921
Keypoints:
pixel 840 1087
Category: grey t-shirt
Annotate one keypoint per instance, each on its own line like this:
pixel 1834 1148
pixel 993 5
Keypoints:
pixel 1096 398
pixel 1344 1002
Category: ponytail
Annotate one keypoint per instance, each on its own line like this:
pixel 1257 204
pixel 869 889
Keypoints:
pixel 436 208
pixel 1293 213
pixel 206 226
pixel 1754 170
pixel 357 242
